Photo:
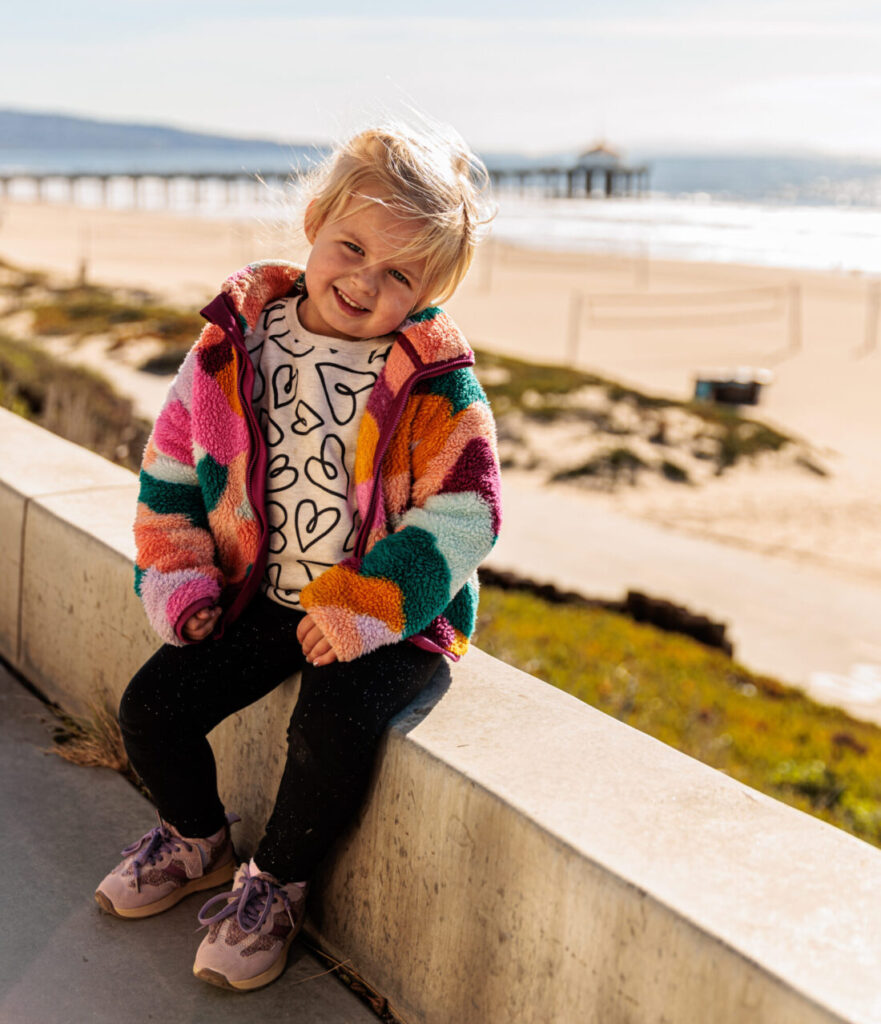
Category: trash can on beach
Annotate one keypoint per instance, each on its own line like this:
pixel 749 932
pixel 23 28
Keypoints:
pixel 742 386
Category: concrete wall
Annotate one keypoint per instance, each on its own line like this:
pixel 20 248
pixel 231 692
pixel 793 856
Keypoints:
pixel 521 857
pixel 67 618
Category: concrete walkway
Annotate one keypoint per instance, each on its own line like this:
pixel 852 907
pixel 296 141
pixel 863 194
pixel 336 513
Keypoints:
pixel 63 960
pixel 805 625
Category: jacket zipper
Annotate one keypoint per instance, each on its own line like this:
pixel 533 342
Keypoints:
pixel 257 452
pixel 232 330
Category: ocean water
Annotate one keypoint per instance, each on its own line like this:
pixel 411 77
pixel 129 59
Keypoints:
pixel 700 227
pixel 782 212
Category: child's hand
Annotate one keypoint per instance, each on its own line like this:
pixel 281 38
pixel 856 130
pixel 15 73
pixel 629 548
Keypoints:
pixel 315 644
pixel 201 624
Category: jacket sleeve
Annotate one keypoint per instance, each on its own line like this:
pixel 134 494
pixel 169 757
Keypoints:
pixel 411 576
pixel 175 571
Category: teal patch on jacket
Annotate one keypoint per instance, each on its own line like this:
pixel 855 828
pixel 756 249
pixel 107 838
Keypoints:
pixel 459 387
pixel 170 499
pixel 139 575
pixel 429 313
pixel 411 560
pixel 462 610
pixel 212 477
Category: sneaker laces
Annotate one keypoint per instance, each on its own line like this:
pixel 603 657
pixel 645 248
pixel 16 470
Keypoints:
pixel 159 842
pixel 151 847
pixel 251 903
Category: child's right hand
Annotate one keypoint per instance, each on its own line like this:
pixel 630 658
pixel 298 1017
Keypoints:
pixel 201 624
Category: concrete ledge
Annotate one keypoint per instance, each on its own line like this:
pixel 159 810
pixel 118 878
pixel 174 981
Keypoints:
pixel 528 858
pixel 521 857
pixel 69 619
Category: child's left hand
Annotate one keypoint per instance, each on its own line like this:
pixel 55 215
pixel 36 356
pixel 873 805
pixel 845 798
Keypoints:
pixel 316 646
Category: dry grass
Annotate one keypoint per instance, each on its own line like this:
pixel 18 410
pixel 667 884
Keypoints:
pixel 93 740
pixel 365 992
pixel 71 401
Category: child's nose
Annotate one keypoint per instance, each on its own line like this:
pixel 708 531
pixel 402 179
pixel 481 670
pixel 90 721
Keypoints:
pixel 366 278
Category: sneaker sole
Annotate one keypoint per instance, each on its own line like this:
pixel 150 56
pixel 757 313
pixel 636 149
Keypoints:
pixel 217 877
pixel 247 984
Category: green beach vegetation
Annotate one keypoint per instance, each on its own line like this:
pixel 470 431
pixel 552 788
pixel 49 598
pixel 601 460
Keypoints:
pixel 73 402
pixel 694 698
pixel 84 309
pixel 632 432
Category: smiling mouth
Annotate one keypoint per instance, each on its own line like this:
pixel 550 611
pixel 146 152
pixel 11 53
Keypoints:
pixel 346 304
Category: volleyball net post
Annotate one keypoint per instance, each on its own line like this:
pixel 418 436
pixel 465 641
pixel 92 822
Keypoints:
pixel 873 315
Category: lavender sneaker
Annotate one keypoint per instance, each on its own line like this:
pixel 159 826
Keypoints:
pixel 163 867
pixel 249 935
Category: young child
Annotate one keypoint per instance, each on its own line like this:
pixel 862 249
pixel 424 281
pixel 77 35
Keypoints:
pixel 316 495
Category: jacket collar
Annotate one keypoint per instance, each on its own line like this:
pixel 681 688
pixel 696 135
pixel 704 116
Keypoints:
pixel 257 284
pixel 428 339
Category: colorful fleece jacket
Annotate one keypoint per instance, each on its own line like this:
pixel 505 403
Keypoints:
pixel 426 485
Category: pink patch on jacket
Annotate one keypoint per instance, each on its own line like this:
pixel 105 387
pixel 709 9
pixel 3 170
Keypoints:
pixel 197 589
pixel 436 339
pixel 362 495
pixel 214 412
pixel 167 595
pixel 339 624
pixel 172 426
pixel 182 388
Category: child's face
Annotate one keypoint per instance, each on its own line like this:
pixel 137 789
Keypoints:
pixel 357 285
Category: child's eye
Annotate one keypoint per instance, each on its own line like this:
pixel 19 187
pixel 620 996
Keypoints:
pixel 398 276
pixel 354 248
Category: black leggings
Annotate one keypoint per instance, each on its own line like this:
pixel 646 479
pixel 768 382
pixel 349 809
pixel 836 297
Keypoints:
pixel 181 693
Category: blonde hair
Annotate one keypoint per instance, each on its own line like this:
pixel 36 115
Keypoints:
pixel 429 176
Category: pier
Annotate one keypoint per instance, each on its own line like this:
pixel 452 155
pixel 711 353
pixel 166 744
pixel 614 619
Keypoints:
pixel 196 185
pixel 597 173
pixel 571 182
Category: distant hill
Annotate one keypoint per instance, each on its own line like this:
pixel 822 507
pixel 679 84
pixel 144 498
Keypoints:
pixel 24 130
pixel 59 143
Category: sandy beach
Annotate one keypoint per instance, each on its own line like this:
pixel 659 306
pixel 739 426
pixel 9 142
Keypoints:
pixel 652 325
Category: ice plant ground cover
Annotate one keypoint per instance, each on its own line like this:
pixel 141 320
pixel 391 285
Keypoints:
pixel 696 699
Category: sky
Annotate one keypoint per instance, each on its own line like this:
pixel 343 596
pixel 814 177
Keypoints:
pixel 682 75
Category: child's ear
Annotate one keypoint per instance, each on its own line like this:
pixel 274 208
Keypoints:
pixel 310 222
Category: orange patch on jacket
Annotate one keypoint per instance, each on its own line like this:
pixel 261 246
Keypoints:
pixel 432 426
pixel 374 596
pixel 398 369
pixel 169 541
pixel 150 453
pixel 368 439
pixel 226 381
